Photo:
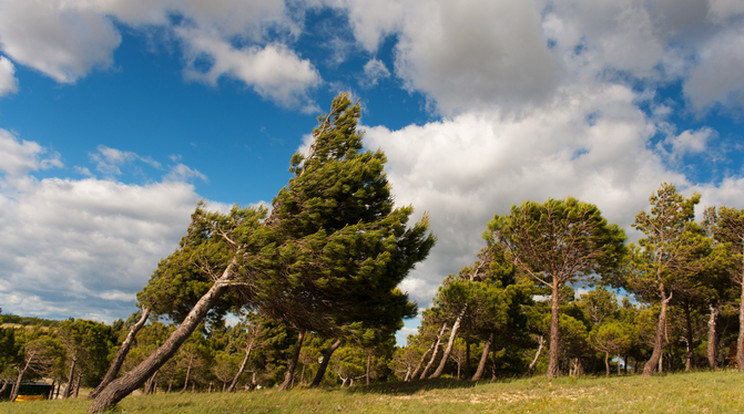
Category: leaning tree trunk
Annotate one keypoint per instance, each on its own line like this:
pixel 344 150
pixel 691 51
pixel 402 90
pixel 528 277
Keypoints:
pixel 484 357
pixel 70 378
pixel 436 351
pixel 653 362
pixel 243 364
pixel 324 363
pixel 123 386
pixel 712 337
pixel 289 375
pixel 188 374
pixel 554 331
pixel 113 370
pixel 541 344
pixel 423 357
pixel 450 344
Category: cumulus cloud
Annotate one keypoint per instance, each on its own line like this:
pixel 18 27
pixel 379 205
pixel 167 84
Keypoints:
pixel 374 71
pixel 274 71
pixel 62 39
pixel 8 81
pixel 81 248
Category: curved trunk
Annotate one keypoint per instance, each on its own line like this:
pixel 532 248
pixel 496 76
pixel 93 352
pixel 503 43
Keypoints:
pixel 289 375
pixel 436 351
pixel 607 363
pixel 324 363
pixel 484 357
pixel 554 331
pixel 113 370
pixel 654 361
pixel 123 386
pixel 243 364
pixel 541 344
pixel 188 374
pixel 450 344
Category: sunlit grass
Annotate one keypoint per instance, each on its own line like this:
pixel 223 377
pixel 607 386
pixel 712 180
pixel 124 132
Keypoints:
pixel 701 392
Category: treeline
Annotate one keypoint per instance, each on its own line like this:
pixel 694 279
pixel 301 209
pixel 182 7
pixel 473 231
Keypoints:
pixel 669 302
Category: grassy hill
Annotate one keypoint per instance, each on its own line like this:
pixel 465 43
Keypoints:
pixel 702 392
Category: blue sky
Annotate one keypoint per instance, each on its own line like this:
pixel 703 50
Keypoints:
pixel 117 116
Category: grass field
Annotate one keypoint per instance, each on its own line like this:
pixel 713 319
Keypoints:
pixel 702 392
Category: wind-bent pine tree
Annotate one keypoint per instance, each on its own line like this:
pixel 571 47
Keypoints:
pixel 557 242
pixel 332 252
pixel 341 247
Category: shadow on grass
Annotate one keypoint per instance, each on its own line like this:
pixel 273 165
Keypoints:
pixel 412 387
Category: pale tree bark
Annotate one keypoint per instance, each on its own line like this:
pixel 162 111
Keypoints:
pixel 188 373
pixel 740 339
pixel 607 363
pixel 484 357
pixel 324 363
pixel 654 362
pixel 244 363
pixel 425 354
pixel 123 386
pixel 435 352
pixel 70 378
pixel 712 337
pixel 113 370
pixel 289 375
pixel 369 366
pixel 554 330
pixel 450 344
pixel 541 344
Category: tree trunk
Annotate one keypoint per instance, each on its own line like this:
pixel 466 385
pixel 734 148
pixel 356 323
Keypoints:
pixel 740 339
pixel 712 337
pixel 554 330
pixel 78 380
pixel 113 370
pixel 484 357
pixel 188 374
pixel 123 386
pixel 324 363
pixel 541 344
pixel 450 344
pixel 467 358
pixel 289 375
pixel 690 354
pixel 369 366
pixel 17 385
pixel 607 363
pixel 618 364
pixel 654 361
pixel 243 364
pixel 436 351
pixel 70 378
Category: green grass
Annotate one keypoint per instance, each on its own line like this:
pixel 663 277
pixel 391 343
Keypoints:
pixel 701 392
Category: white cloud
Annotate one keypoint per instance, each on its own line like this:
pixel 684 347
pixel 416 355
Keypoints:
pixel 62 39
pixel 20 157
pixel 689 142
pixel 109 161
pixel 8 81
pixel 81 248
pixel 274 71
pixel 374 70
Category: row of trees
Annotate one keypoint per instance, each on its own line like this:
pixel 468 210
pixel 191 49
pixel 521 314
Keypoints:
pixel 680 282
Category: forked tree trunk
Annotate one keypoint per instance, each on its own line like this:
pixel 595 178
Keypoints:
pixel 484 357
pixel 554 331
pixel 113 370
pixel 123 386
pixel 324 363
pixel 712 337
pixel 450 344
pixel 243 364
pixel 654 361
pixel 289 375
pixel 541 344
pixel 436 351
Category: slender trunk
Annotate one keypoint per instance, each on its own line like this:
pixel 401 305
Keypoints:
pixel 188 374
pixel 740 339
pixel 113 370
pixel 243 364
pixel 541 344
pixel 655 359
pixel 467 358
pixel 484 357
pixel 436 351
pixel 78 380
pixel 170 386
pixel 618 364
pixel 289 375
pixel 690 355
pixel 324 363
pixel 369 366
pixel 17 385
pixel 123 386
pixel 607 363
pixel 5 385
pixel 70 378
pixel 150 383
pixel 450 344
pixel 554 331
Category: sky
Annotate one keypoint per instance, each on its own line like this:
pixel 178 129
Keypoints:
pixel 118 116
